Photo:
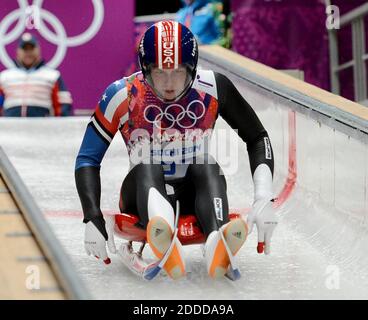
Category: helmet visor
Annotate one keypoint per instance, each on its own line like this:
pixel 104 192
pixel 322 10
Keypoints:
pixel 169 84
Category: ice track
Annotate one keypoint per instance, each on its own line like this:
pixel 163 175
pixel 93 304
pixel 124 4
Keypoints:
pixel 43 151
pixel 319 250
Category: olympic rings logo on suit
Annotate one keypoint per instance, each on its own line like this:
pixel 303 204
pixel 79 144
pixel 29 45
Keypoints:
pixel 58 38
pixel 185 113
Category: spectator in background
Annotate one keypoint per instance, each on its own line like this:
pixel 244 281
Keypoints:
pixel 199 16
pixel 225 17
pixel 30 88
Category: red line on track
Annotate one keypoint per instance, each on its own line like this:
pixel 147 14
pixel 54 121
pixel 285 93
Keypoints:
pixel 292 168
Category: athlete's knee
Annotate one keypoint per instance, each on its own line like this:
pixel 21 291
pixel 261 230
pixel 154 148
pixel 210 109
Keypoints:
pixel 206 170
pixel 158 204
pixel 148 174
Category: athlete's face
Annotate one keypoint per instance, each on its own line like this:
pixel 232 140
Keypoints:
pixel 29 55
pixel 169 83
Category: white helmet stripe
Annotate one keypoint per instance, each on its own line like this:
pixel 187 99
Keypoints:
pixel 176 41
pixel 159 51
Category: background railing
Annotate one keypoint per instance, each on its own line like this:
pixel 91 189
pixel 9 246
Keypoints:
pixel 355 18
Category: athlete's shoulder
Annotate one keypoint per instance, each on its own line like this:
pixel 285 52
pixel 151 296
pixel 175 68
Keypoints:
pixel 205 81
pixel 221 79
pixel 113 96
pixel 136 76
pixel 115 87
pixel 224 86
pixel 120 85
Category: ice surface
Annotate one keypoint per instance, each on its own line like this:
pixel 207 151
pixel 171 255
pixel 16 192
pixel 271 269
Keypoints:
pixel 310 242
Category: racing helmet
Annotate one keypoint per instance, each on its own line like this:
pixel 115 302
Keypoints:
pixel 168 46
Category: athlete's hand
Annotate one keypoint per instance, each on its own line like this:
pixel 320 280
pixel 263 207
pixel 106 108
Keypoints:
pixel 97 233
pixel 264 216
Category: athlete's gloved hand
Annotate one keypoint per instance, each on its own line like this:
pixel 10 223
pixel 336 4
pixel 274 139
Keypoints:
pixel 263 214
pixel 97 233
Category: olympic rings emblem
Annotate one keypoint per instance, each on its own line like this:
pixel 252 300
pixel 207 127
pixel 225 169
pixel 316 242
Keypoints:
pixel 185 113
pixel 58 38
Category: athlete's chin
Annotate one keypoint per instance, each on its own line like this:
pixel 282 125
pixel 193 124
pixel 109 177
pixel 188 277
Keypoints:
pixel 171 95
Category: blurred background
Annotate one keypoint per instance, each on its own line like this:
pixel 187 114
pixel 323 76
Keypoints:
pixel 93 42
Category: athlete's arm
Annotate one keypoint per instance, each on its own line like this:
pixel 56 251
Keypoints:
pixel 240 116
pixel 237 112
pixel 99 133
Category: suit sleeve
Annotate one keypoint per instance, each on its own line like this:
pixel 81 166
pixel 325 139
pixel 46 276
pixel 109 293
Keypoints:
pixel 100 131
pixel 237 112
